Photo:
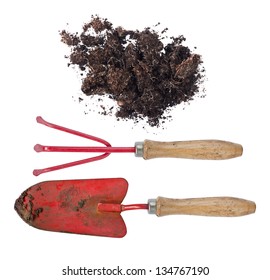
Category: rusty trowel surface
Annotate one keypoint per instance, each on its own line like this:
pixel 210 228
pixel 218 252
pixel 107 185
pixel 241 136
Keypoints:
pixel 72 206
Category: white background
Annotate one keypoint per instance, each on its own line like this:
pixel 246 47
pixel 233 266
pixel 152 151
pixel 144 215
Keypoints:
pixel 233 39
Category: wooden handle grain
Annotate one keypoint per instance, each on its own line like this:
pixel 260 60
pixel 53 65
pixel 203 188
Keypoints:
pixel 198 149
pixel 208 206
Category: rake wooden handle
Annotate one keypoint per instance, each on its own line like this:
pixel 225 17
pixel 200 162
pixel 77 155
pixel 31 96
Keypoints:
pixel 208 206
pixel 198 149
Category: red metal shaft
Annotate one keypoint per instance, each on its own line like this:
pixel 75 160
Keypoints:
pixel 135 207
pixel 41 148
pixel 112 207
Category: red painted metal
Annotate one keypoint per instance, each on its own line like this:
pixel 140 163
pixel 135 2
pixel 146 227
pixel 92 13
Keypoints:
pixel 70 149
pixel 88 206
pixel 135 207
pixel 111 207
pixel 37 172
pixel 106 151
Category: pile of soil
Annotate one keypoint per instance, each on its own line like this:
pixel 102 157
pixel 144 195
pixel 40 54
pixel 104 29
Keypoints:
pixel 145 77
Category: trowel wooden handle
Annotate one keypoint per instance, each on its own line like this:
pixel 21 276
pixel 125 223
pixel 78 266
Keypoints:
pixel 208 206
pixel 198 149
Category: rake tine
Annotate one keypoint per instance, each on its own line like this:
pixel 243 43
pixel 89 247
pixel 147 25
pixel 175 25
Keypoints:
pixel 40 120
pixel 37 172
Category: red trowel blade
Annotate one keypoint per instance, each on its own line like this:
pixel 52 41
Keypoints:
pixel 72 206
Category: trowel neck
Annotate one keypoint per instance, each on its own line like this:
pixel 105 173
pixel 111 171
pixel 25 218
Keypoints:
pixel 113 207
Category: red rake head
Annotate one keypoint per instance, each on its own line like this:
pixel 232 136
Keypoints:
pixel 106 150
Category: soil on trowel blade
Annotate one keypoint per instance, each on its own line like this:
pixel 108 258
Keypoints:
pixel 144 76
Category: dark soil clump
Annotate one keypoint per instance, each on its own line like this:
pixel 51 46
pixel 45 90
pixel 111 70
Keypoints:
pixel 145 77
